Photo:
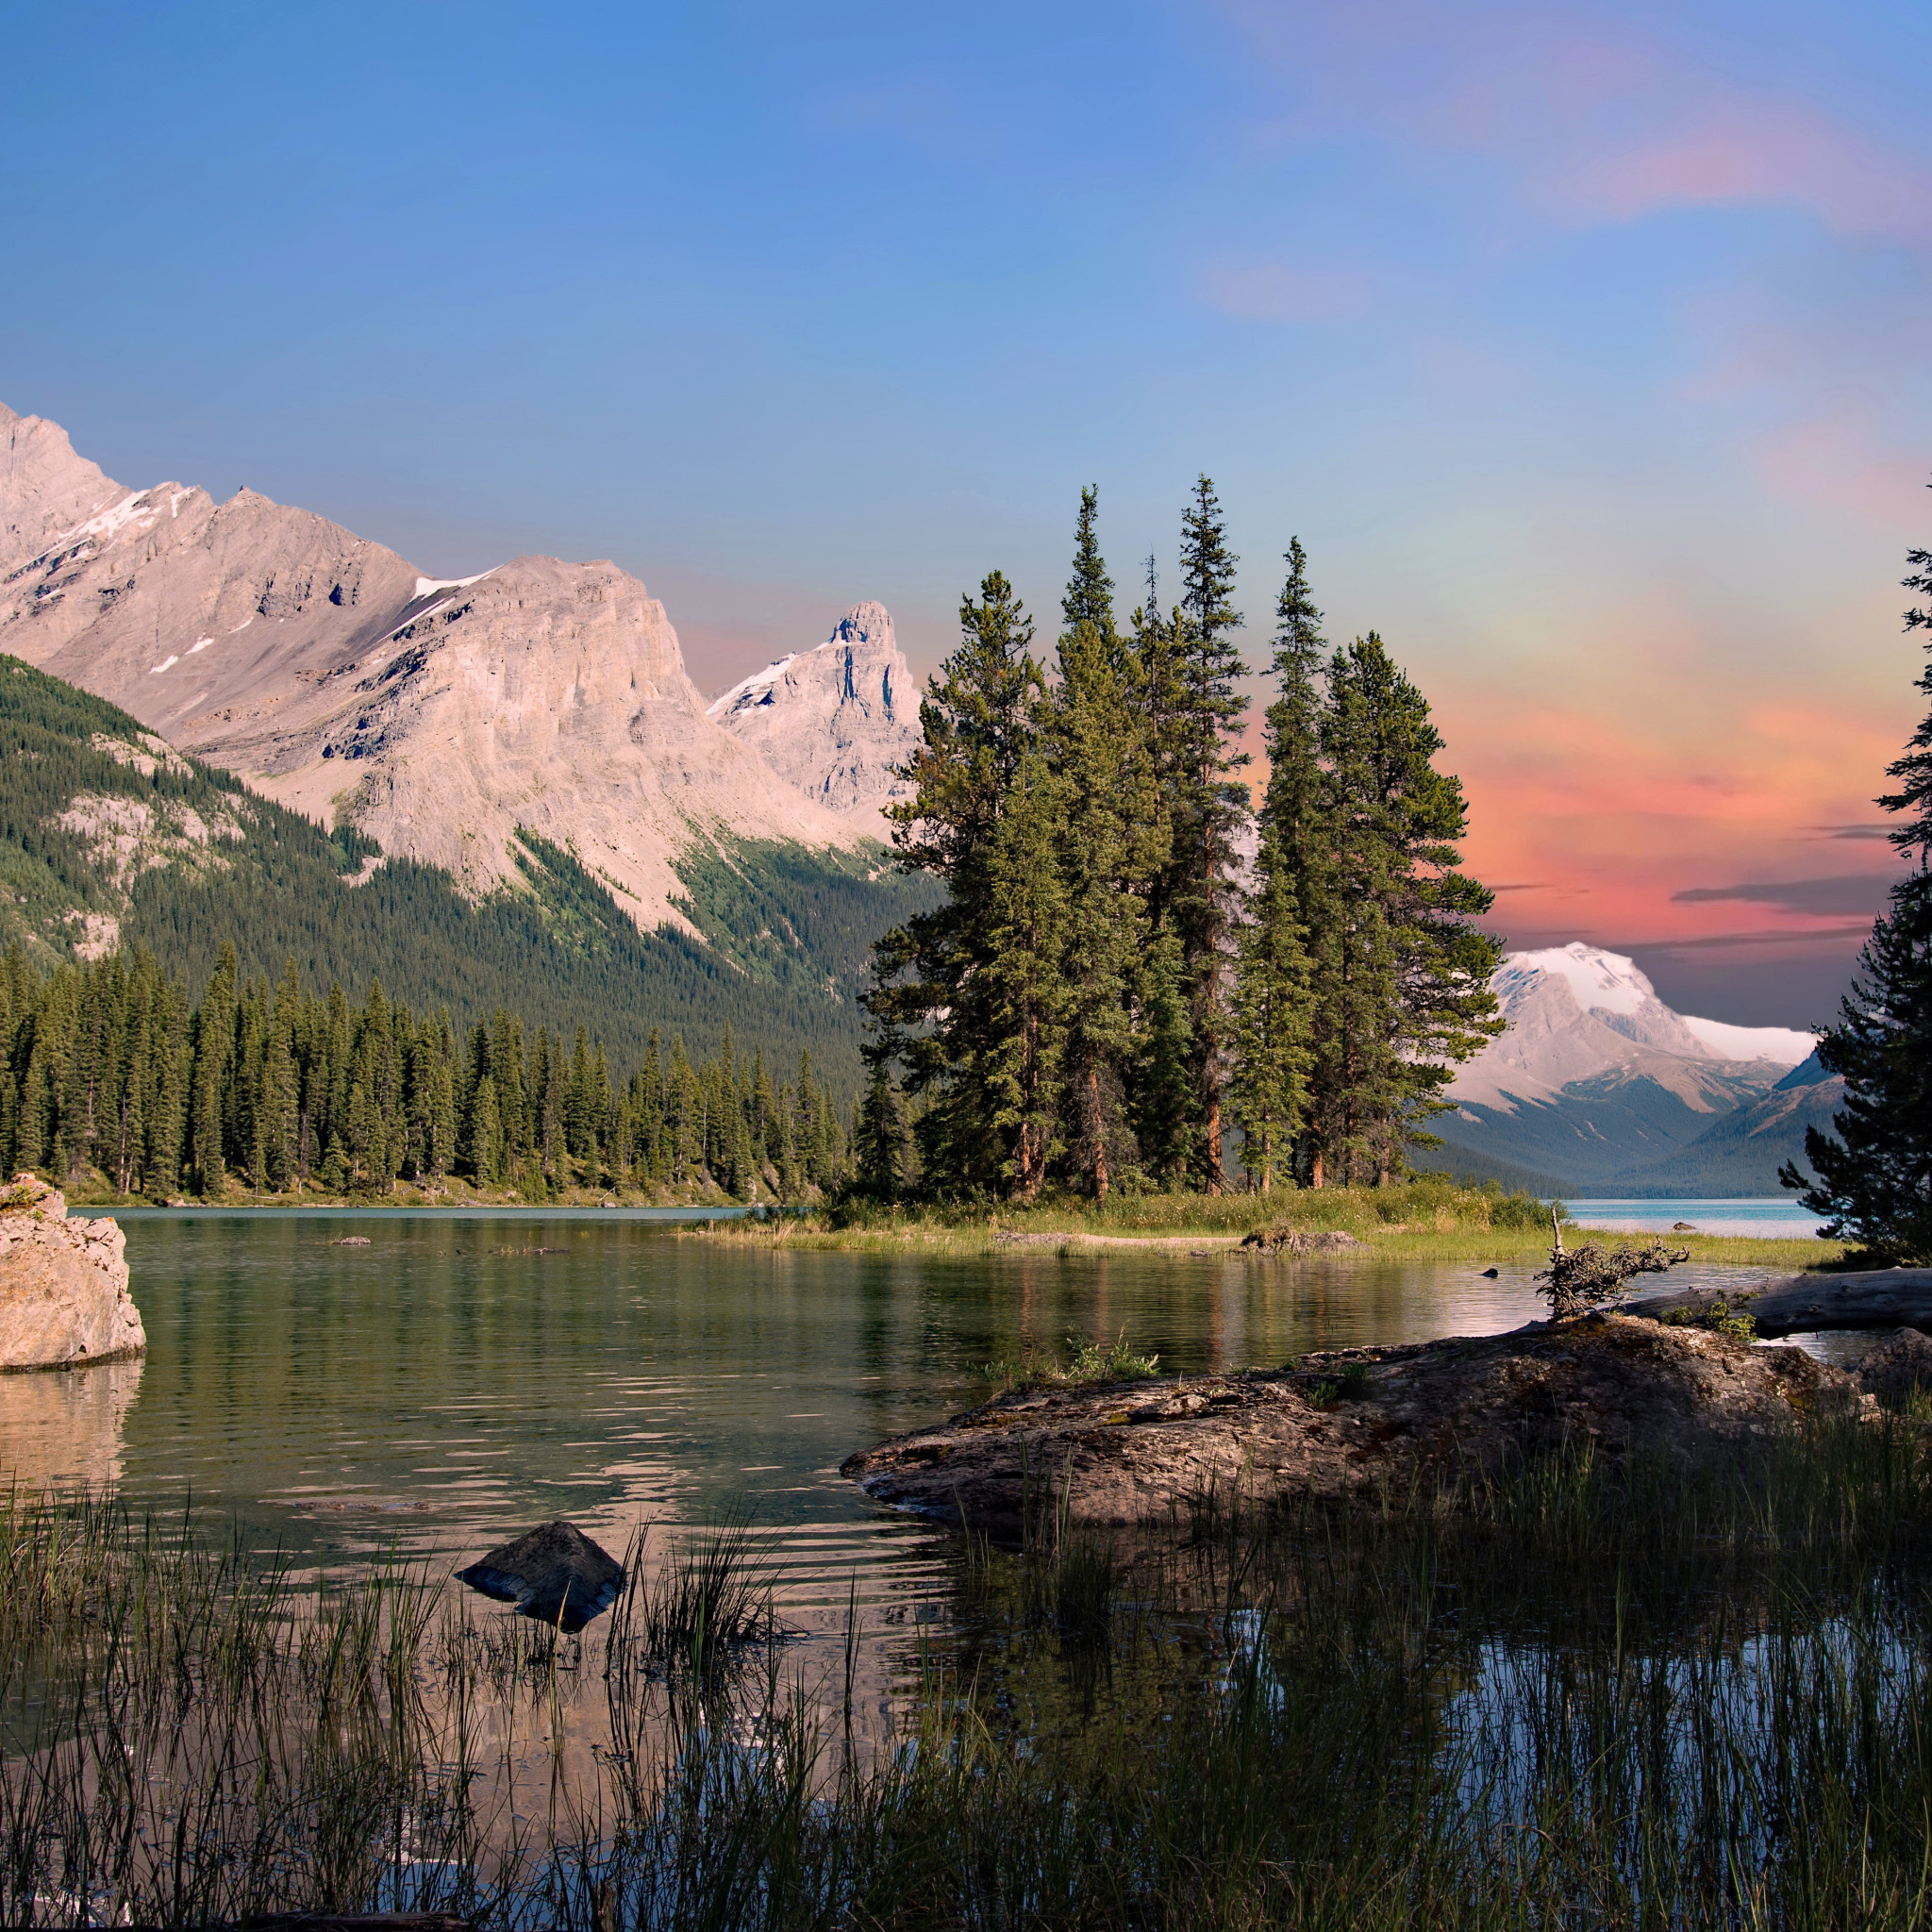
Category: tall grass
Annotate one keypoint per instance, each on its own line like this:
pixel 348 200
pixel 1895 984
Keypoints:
pixel 1578 1696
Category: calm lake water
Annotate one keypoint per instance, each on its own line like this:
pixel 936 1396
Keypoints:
pixel 1777 1217
pixel 463 1377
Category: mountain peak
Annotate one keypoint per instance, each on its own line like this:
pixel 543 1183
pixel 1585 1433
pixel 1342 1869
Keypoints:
pixel 1594 1077
pixel 1608 982
pixel 444 717
pixel 832 719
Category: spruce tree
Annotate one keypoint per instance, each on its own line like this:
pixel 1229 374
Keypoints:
pixel 879 1139
pixel 1272 1019
pixel 1873 1180
pixel 1025 975
pixel 1089 597
pixel 1110 851
pixel 1166 1110
pixel 1298 836
pixel 930 1003
pixel 1408 991
pixel 1209 806
pixel 214 1038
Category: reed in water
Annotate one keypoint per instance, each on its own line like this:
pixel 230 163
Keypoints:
pixel 1587 1695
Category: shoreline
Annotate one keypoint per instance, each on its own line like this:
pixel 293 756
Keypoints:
pixel 1413 1223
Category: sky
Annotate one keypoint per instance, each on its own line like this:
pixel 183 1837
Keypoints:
pixel 1584 348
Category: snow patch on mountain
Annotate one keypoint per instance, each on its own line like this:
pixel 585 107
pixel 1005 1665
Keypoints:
pixel 1783 1045
pixel 1604 981
pixel 757 688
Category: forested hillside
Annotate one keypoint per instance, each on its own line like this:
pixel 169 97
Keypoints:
pixel 106 834
pixel 106 1066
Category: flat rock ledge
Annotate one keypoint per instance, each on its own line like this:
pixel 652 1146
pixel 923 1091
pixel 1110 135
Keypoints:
pixel 64 1283
pixel 1352 1421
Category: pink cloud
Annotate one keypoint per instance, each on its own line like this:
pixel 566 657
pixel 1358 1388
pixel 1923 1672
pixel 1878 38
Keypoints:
pixel 1595 118
pixel 1273 291
pixel 1756 151
pixel 1838 461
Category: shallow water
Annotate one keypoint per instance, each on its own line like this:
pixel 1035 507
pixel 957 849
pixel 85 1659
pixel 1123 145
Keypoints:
pixel 460 1378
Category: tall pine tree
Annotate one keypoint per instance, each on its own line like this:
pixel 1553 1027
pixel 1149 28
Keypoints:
pixel 1873 1181
pixel 1296 910
pixel 1110 849
pixel 933 1002
pixel 1407 992
pixel 1210 807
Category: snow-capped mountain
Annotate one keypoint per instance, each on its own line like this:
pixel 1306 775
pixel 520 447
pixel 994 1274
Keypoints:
pixel 1597 1084
pixel 836 721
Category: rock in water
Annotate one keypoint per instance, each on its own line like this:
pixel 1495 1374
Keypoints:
pixel 555 1574
pixel 64 1283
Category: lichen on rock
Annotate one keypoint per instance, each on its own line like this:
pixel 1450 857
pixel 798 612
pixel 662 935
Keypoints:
pixel 64 1299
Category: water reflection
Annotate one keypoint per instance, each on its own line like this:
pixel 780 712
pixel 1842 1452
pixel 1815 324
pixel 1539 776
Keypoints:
pixel 64 1428
pixel 456 1380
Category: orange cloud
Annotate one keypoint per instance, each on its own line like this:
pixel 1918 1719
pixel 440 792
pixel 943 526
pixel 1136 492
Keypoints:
pixel 1616 816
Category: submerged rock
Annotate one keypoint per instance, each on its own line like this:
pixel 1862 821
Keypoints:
pixel 1352 1421
pixel 64 1283
pixel 555 1574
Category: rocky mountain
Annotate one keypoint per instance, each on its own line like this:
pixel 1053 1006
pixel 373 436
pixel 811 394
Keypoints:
pixel 443 718
pixel 1597 1087
pixel 835 721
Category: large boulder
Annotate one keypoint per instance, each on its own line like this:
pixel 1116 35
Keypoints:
pixel 1353 1421
pixel 1899 1367
pixel 64 1283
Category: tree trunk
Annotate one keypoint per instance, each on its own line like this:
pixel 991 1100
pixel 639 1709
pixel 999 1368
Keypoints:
pixel 1802 1304
pixel 1095 1126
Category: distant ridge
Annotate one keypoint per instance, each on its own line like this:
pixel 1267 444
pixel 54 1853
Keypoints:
pixel 1598 1088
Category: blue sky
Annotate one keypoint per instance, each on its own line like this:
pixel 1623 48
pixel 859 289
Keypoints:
pixel 1584 348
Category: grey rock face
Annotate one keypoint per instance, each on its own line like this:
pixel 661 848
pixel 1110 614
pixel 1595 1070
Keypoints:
pixel 835 721
pixel 440 716
pixel 64 1283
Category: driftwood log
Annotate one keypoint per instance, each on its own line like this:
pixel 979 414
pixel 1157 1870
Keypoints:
pixel 1802 1304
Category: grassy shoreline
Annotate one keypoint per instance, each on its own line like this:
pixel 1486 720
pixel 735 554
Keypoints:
pixel 1585 1694
pixel 1422 1221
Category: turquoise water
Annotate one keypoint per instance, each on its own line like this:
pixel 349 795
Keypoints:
pixel 1777 1217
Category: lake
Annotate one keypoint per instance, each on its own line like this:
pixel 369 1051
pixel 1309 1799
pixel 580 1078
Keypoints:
pixel 465 1376
pixel 1774 1217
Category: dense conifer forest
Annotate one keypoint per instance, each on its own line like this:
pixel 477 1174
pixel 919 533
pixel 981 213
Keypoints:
pixel 106 831
pixel 1133 966
pixel 275 1090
